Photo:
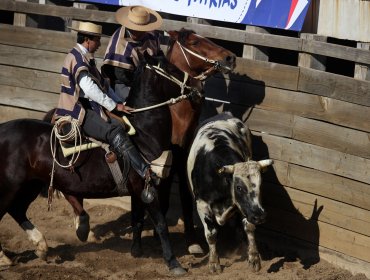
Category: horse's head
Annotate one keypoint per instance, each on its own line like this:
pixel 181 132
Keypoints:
pixel 197 55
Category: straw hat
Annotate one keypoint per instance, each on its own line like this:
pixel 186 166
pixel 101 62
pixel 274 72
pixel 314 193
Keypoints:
pixel 139 18
pixel 89 29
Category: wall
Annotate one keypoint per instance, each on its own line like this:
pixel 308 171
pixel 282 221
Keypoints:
pixel 314 124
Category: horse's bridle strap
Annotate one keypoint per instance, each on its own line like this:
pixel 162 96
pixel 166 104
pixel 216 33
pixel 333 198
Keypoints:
pixel 171 101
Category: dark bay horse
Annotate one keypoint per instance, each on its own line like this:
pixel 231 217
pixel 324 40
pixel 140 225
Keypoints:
pixel 27 161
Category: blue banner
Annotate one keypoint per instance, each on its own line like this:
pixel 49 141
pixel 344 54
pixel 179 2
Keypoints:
pixel 283 14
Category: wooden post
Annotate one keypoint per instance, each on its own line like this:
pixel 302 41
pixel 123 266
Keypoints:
pixel 362 71
pixel 252 52
pixel 197 20
pixel 75 23
pixel 20 18
pixel 308 60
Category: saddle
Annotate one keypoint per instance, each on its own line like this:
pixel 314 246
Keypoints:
pixel 120 168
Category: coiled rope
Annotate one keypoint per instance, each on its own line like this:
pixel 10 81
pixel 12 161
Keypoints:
pixel 73 134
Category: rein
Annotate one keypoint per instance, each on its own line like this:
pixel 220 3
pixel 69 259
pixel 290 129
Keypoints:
pixel 181 84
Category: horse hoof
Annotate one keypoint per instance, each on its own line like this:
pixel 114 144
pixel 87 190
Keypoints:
pixel 82 227
pixel 195 249
pixel 177 271
pixel 136 251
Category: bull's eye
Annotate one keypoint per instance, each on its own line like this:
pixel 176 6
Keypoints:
pixel 239 188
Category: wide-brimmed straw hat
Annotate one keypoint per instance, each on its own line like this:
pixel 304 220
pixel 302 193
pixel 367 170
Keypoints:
pixel 139 18
pixel 89 28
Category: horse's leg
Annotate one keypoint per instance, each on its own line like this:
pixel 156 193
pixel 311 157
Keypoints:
pixel 82 219
pixel 254 259
pixel 162 230
pixel 186 203
pixel 4 260
pixel 18 210
pixel 137 224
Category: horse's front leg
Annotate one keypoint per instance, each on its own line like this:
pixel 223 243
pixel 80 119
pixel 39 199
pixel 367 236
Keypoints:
pixel 254 259
pixel 81 220
pixel 137 224
pixel 162 230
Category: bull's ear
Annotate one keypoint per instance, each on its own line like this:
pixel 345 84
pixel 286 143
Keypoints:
pixel 226 169
pixel 264 163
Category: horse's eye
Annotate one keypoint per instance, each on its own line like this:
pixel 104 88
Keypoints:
pixel 194 43
pixel 239 188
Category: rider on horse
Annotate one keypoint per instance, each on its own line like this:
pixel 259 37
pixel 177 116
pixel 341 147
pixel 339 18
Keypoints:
pixel 84 94
pixel 137 34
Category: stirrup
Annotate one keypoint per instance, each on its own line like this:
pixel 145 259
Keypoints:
pixel 151 177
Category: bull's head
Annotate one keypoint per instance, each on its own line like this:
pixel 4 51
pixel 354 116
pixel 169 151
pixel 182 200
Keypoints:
pixel 246 184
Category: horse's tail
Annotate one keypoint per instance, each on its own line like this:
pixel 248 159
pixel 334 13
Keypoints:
pixel 49 116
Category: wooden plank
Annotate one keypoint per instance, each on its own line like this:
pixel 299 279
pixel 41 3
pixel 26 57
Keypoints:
pixel 43 39
pixel 323 234
pixel 237 92
pixel 315 132
pixel 312 156
pixel 319 183
pixel 334 86
pixel 28 98
pixel 271 122
pixel 333 212
pixel 31 58
pixel 336 51
pixel 11 113
pixel 331 136
pixel 31 79
pixel 270 74
pixel 58 11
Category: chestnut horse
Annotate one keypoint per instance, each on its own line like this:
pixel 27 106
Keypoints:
pixel 27 161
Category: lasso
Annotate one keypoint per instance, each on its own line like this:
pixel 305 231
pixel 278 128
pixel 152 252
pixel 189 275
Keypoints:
pixel 73 134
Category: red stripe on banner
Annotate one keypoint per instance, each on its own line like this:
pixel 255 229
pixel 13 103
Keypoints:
pixel 292 8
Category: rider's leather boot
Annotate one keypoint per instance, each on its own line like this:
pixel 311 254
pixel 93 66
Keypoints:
pixel 123 146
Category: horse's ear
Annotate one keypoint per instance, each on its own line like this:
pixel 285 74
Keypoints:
pixel 174 35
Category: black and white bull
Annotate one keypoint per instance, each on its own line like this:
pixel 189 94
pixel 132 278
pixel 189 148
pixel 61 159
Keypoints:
pixel 224 179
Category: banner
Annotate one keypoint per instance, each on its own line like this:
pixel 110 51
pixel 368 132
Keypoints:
pixel 283 14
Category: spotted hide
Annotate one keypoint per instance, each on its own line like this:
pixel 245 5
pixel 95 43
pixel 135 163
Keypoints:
pixel 224 179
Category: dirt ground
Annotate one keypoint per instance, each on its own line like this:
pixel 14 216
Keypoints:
pixel 109 257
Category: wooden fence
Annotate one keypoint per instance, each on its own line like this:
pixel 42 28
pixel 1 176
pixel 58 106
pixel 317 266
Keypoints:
pixel 314 124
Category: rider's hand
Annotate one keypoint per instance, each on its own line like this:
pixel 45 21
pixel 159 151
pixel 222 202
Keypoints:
pixel 123 108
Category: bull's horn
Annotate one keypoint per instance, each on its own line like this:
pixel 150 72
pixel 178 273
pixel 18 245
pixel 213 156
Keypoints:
pixel 226 169
pixel 265 162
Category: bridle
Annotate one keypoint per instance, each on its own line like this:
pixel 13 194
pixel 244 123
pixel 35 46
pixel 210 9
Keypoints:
pixel 216 64
pixel 182 84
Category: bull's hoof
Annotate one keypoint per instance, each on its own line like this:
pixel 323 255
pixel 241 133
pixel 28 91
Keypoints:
pixel 254 263
pixel 214 267
pixel 42 254
pixel 92 238
pixel 177 271
pixel 195 249
pixel 5 262
pixel 136 250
